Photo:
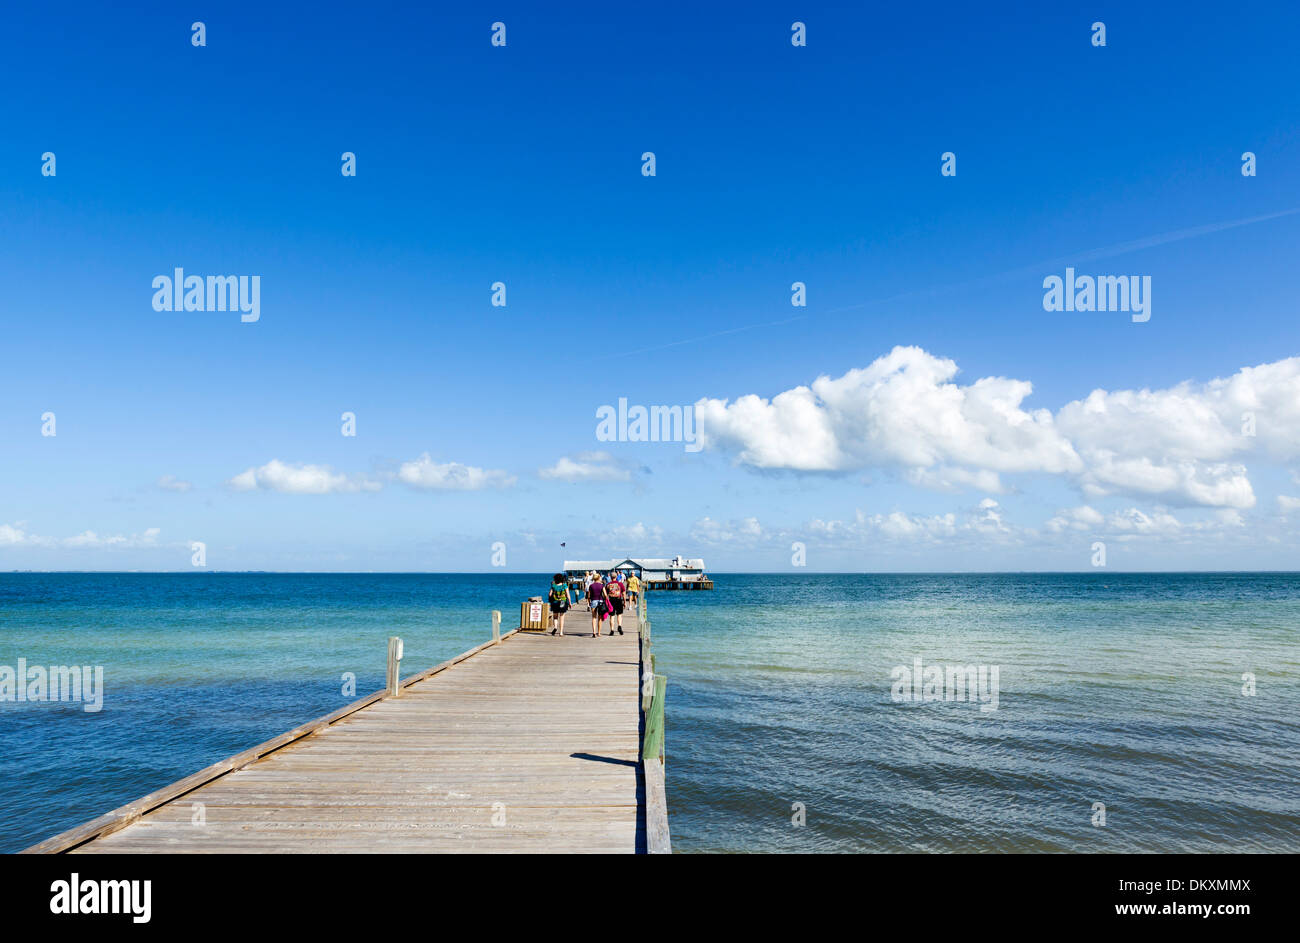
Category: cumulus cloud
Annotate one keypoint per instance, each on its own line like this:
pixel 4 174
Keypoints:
pixel 984 520
pixel 427 475
pixel 984 527
pixel 1080 518
pixel 902 411
pixel 635 534
pixel 172 483
pixel 287 478
pixel 905 412
pixel 1158 522
pixel 585 466
pixel 15 535
pixel 746 531
pixel 906 526
pixel 1173 443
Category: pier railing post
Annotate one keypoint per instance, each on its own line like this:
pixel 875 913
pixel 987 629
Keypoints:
pixel 647 678
pixel 496 626
pixel 394 664
pixel 653 746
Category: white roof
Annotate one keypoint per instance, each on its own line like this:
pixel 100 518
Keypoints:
pixel 657 563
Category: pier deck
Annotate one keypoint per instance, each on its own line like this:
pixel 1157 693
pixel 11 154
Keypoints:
pixel 532 745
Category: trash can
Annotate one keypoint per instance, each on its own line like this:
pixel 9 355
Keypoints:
pixel 534 615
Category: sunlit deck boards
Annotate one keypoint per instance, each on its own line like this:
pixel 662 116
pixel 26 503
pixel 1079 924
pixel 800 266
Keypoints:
pixel 529 746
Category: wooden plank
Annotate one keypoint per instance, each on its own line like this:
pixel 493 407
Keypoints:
pixel 656 809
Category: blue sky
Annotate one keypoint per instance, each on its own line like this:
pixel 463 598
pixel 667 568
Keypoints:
pixel 522 164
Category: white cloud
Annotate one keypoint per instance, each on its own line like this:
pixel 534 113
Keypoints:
pixel 746 531
pixel 902 411
pixel 1286 504
pixel 1080 518
pixel 285 478
pixel 905 526
pixel 172 483
pixel 948 478
pixel 1183 445
pixel 1158 522
pixel 985 527
pixel 12 535
pixel 637 534
pixel 983 522
pixel 585 466
pixel 426 474
pixel 1155 523
pixel 15 535
pixel 1173 443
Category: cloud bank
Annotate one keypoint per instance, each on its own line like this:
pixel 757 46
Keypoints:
pixel 1183 446
pixel 16 535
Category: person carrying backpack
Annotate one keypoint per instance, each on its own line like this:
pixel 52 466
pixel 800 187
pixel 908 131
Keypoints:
pixel 614 592
pixel 559 597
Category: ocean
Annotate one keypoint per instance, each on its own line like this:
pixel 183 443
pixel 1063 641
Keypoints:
pixel 1133 712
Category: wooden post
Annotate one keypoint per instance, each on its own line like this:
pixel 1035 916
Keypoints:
pixel 653 747
pixel 647 680
pixel 394 664
pixel 496 626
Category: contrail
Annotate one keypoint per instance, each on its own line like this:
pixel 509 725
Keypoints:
pixel 1090 255
pixel 705 337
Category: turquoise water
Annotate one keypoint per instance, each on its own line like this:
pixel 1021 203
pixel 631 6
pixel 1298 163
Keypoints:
pixel 1124 689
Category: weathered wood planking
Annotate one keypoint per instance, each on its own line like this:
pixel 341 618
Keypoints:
pixel 656 809
pixel 531 745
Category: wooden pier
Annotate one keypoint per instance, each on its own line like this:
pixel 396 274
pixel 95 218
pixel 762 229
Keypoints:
pixel 678 584
pixel 527 743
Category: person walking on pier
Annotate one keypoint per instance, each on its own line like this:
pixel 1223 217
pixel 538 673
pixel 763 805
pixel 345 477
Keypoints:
pixel 633 589
pixel 599 604
pixel 614 592
pixel 559 602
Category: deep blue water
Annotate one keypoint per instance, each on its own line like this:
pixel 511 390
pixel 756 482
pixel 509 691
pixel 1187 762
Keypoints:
pixel 1124 689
